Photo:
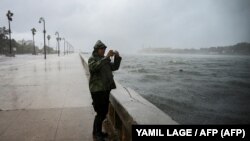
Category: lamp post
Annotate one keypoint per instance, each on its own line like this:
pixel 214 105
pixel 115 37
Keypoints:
pixel 64 46
pixel 23 43
pixel 67 48
pixel 58 42
pixel 33 30
pixel 9 16
pixel 48 37
pixel 56 46
pixel 44 31
pixel 70 48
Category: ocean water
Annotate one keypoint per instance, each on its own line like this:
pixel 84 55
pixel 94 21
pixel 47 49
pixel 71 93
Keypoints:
pixel 192 89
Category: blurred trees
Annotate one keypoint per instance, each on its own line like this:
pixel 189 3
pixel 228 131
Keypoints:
pixel 22 47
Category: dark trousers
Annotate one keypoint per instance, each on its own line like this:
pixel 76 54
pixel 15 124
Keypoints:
pixel 100 104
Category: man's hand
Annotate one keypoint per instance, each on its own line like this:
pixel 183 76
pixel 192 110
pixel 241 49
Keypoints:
pixel 110 53
pixel 116 53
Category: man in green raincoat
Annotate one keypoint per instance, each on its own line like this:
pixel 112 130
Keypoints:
pixel 101 83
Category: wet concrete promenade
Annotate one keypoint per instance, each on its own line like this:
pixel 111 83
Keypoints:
pixel 44 100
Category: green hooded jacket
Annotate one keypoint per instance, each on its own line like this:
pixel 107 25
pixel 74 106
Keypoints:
pixel 101 76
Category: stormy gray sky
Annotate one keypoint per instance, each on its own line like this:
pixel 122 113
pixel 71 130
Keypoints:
pixel 128 25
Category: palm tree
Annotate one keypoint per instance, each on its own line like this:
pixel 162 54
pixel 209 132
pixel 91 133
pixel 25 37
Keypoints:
pixel 44 32
pixel 58 42
pixel 48 37
pixel 9 16
pixel 33 30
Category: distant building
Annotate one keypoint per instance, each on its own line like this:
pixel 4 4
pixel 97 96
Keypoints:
pixel 239 48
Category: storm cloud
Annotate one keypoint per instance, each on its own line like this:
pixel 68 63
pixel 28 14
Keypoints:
pixel 128 25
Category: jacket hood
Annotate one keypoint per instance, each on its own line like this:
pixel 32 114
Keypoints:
pixel 99 44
